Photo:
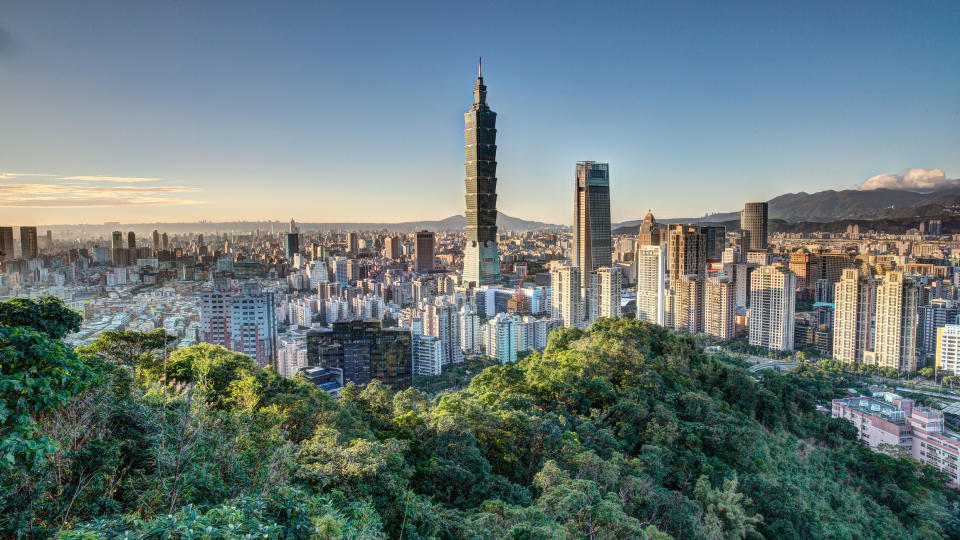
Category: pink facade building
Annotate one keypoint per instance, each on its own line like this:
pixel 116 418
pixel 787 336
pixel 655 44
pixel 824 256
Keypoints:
pixel 890 419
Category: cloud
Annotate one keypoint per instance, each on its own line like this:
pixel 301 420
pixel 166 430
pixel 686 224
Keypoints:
pixel 78 196
pixel 92 202
pixel 120 179
pixel 923 180
pixel 8 175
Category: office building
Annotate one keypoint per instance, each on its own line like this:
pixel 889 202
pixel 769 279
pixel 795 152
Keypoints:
pixel 715 237
pixel 165 241
pixel 481 258
pixel 772 307
pixel 719 308
pixel 591 217
pixel 651 278
pixel 28 243
pixel 423 250
pixel 896 323
pixel 753 226
pixel 131 240
pixel 365 352
pixel 649 234
pixel 6 244
pixel 240 319
pixel 156 241
pixel 855 295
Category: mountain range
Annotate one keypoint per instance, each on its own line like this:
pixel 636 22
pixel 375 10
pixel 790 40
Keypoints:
pixel 849 204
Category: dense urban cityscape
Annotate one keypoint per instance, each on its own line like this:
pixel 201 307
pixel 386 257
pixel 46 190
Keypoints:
pixel 785 370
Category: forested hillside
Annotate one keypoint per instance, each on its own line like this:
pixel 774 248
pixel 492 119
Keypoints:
pixel 624 431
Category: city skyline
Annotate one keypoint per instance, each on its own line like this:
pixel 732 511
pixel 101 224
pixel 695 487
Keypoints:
pixel 194 117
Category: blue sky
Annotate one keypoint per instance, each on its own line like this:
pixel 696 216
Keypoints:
pixel 354 112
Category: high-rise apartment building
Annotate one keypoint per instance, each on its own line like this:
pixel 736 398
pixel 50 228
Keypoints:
pixel 753 226
pixel 684 304
pixel 392 248
pixel 28 242
pixel 131 240
pixel 423 250
pixel 719 308
pixel 854 299
pixel 772 307
pixel 565 294
pixel 649 234
pixel 165 241
pixel 651 282
pixel 240 319
pixel 501 337
pixel 6 244
pixel 470 341
pixel 896 323
pixel 948 349
pixel 604 290
pixel 442 319
pixel 686 251
pixel 156 241
pixel 353 243
pixel 481 258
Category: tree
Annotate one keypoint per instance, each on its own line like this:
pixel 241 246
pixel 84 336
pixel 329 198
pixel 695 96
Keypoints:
pixel 48 315
pixel 129 348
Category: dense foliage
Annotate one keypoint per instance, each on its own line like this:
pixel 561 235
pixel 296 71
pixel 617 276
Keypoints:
pixel 623 431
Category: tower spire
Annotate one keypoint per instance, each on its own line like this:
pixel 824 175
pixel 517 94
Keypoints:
pixel 479 67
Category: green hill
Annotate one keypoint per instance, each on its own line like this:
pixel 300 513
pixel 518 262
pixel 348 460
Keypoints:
pixel 624 431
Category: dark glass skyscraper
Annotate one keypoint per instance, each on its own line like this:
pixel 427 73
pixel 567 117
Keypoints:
pixel 481 259
pixel 591 217
pixel 28 242
pixel 753 225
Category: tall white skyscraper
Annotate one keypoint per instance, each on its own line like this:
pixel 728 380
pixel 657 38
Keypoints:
pixel 567 304
pixel 896 323
pixel 854 300
pixel 772 290
pixel 651 277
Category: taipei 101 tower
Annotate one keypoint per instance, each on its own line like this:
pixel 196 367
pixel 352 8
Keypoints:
pixel 481 260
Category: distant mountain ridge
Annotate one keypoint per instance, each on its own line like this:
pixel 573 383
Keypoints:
pixel 848 204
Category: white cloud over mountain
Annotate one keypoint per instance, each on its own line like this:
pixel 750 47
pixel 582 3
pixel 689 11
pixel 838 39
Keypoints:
pixel 922 180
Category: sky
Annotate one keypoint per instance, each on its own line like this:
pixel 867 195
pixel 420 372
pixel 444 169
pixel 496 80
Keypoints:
pixel 182 111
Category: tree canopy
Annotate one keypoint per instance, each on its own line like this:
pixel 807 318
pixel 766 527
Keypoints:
pixel 621 431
